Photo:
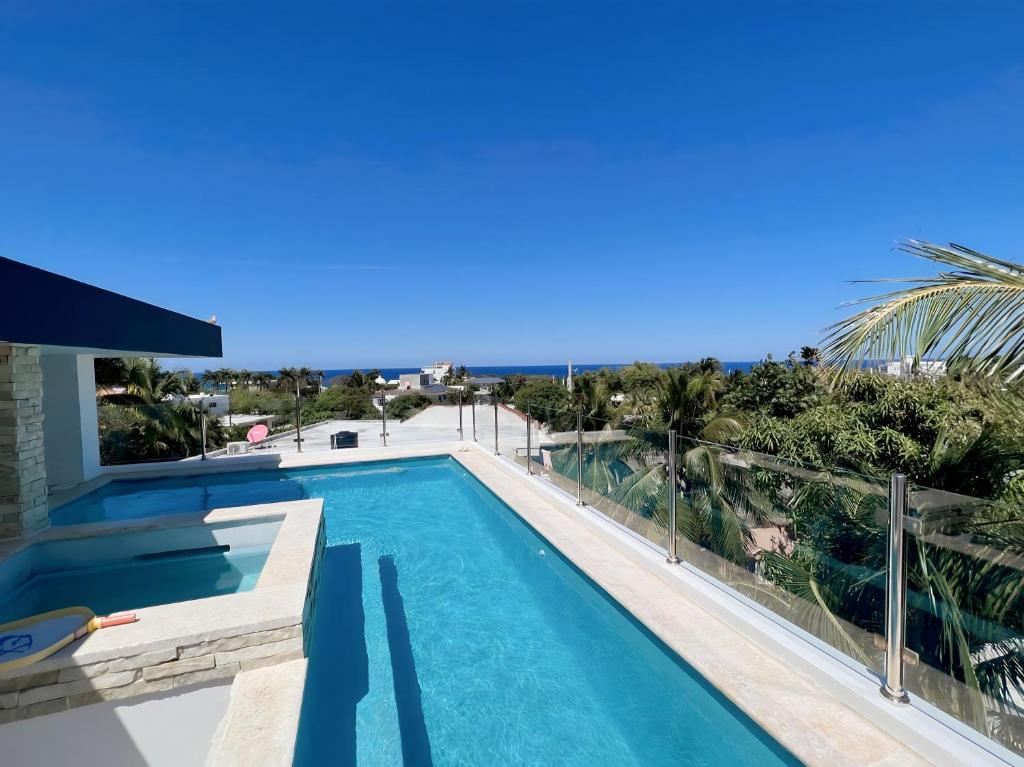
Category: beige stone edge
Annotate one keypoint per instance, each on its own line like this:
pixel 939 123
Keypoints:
pixel 784 700
pixel 248 462
pixel 262 719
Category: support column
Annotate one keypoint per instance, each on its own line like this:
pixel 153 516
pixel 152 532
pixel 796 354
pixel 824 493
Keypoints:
pixel 70 431
pixel 23 506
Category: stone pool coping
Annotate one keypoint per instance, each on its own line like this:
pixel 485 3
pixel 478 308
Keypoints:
pixel 262 719
pixel 182 643
pixel 248 462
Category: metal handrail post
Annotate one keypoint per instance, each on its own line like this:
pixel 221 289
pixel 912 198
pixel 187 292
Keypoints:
pixel 529 466
pixel 298 419
pixel 202 418
pixel 579 458
pixel 460 416
pixel 384 419
pixel 673 495
pixel 472 408
pixel 896 592
pixel 496 452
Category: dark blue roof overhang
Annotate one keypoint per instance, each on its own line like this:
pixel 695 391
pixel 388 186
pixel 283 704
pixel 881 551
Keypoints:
pixel 46 309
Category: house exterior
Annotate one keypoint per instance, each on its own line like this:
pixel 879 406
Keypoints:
pixel 52 328
pixel 414 380
pixel 438 370
pixel 905 368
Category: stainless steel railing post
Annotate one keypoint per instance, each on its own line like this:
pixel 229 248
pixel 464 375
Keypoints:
pixel 472 408
pixel 896 592
pixel 202 420
pixel 673 495
pixel 579 458
pixel 496 427
pixel 460 416
pixel 529 466
pixel 298 419
pixel 384 419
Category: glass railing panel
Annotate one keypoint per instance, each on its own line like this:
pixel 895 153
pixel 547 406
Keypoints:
pixel 625 476
pixel 805 543
pixel 350 417
pixel 965 610
pixel 137 432
pixel 623 467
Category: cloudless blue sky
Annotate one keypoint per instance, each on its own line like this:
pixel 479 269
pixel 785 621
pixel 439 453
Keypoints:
pixel 379 184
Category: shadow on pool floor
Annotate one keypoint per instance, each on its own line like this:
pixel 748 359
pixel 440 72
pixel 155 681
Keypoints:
pixel 340 656
pixel 339 663
pixel 408 697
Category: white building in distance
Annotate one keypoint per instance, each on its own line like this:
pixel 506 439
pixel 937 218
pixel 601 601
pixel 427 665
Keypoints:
pixel 905 368
pixel 438 370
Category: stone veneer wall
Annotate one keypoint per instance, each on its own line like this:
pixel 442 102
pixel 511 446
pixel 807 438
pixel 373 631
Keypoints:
pixel 46 692
pixel 23 506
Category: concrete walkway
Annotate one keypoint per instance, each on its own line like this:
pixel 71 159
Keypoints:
pixel 438 423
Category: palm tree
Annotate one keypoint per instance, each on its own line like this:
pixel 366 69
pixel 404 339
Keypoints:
pixel 289 378
pixel 687 402
pixel 154 417
pixel 972 316
pixel 591 396
pixel 810 355
pixel 147 383
pixel 305 376
pixel 189 381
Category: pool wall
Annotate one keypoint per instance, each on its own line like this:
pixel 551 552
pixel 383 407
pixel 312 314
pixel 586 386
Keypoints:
pixel 50 556
pixel 181 644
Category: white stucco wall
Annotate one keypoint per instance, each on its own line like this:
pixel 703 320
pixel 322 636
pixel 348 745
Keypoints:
pixel 175 729
pixel 70 428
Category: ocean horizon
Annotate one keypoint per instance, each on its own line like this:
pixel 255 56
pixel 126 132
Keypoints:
pixel 557 371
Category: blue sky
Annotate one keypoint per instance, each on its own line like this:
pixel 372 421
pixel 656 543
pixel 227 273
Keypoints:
pixel 388 183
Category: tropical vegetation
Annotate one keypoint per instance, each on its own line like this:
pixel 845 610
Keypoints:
pixel 145 414
pixel 783 472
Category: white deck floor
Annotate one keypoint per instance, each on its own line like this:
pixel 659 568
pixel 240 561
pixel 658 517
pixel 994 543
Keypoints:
pixel 439 423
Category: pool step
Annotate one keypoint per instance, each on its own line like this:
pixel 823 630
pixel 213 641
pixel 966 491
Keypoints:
pixel 182 553
pixel 378 734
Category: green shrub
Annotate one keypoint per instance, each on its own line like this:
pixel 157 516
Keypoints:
pixel 405 407
pixel 544 399
pixel 344 403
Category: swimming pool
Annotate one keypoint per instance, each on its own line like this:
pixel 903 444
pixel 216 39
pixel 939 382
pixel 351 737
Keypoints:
pixel 448 632
pixel 137 582
pixel 137 499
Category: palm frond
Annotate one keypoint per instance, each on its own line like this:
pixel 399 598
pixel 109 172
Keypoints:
pixel 971 316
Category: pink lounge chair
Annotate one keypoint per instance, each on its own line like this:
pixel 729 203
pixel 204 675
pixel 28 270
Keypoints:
pixel 257 434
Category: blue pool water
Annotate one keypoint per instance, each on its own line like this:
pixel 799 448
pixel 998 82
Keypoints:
pixel 447 632
pixel 137 499
pixel 135 584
